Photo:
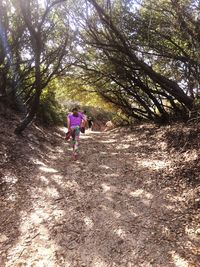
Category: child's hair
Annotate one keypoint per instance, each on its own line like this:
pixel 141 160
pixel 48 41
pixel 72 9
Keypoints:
pixel 75 109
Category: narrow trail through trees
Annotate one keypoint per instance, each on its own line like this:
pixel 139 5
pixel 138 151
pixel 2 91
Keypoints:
pixel 113 207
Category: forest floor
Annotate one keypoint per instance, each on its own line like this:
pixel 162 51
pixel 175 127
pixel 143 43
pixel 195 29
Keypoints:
pixel 132 198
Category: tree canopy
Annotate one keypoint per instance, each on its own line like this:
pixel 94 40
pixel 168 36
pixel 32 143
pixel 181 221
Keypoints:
pixel 143 57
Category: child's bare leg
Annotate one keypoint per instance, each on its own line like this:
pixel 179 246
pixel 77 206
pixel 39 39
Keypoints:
pixel 76 146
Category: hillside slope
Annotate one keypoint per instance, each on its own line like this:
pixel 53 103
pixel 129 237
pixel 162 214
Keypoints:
pixel 132 198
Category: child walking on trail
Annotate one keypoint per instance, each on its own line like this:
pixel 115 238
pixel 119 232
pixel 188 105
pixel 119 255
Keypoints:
pixel 74 122
pixel 90 123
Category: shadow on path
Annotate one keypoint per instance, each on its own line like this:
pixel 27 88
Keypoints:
pixel 113 207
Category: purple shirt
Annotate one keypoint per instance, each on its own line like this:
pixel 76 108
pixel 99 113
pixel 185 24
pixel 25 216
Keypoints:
pixel 75 121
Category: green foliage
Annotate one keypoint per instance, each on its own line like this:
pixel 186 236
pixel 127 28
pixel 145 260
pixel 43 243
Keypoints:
pixel 98 114
pixel 75 90
pixel 121 119
pixel 139 57
pixel 50 111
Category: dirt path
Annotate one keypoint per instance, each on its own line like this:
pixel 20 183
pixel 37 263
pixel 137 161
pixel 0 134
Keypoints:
pixel 111 208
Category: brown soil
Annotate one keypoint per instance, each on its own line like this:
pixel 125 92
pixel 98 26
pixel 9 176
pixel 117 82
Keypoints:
pixel 132 199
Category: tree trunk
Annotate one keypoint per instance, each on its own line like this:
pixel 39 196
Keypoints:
pixel 36 101
pixel 37 48
pixel 30 116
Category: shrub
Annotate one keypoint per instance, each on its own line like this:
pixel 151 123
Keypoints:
pixel 50 111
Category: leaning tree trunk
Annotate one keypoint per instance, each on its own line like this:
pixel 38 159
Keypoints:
pixel 168 85
pixel 36 101
pixel 30 116
pixel 37 48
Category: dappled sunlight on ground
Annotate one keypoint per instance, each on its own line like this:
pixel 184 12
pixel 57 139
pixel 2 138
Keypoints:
pixel 105 167
pixel 105 188
pixel 88 222
pixel 122 146
pixel 111 208
pixel 153 164
pixel 85 137
pixel 120 232
pixel 98 262
pixel 47 169
pixel 141 193
pixel 193 233
pixel 34 243
pixel 179 261
pixel 190 155
pixel 109 141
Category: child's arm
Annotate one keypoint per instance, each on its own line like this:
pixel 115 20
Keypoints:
pixel 68 124
pixel 83 120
